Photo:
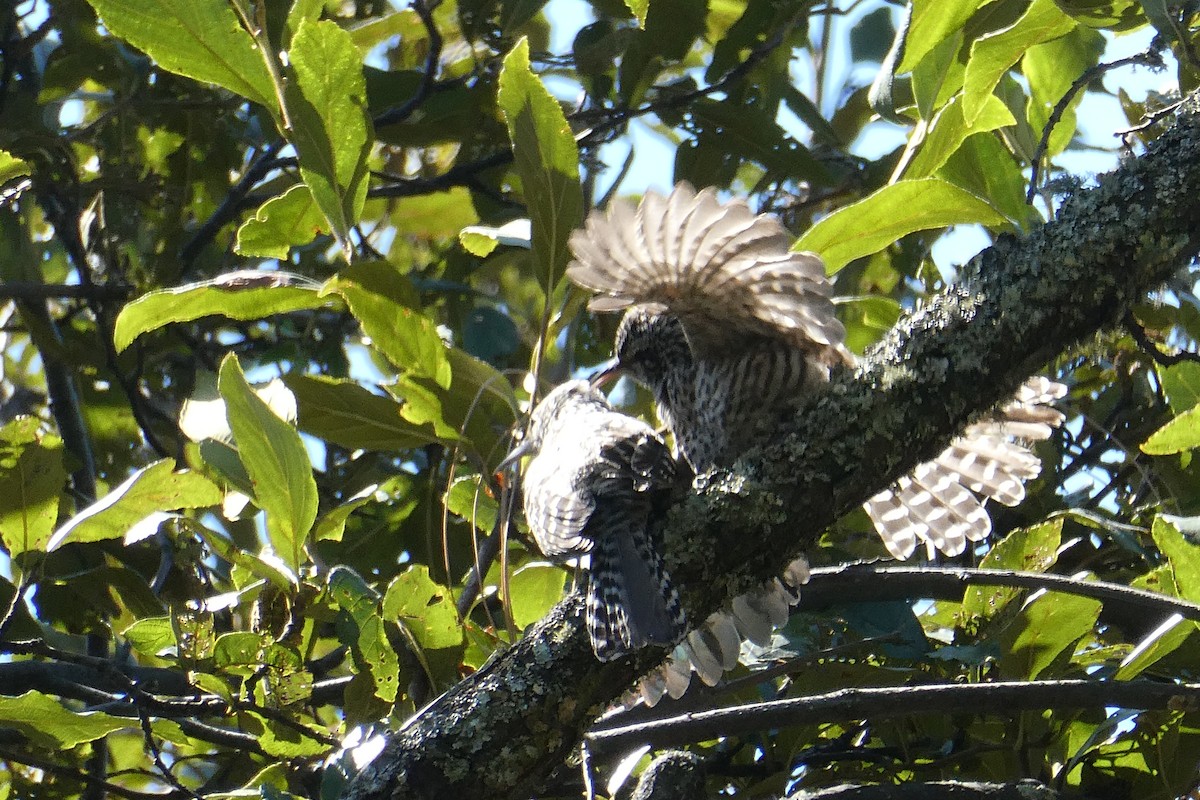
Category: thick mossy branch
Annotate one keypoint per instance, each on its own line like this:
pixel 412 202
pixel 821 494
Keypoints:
pixel 1019 304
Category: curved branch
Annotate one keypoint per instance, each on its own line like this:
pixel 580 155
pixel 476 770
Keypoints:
pixel 876 703
pixel 870 582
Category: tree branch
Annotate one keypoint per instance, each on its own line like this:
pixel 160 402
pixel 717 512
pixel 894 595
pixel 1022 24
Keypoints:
pixel 936 790
pixel 895 701
pixel 1021 303
pixel 871 582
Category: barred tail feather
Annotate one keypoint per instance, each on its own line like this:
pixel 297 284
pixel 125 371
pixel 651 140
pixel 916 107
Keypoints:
pixel 631 601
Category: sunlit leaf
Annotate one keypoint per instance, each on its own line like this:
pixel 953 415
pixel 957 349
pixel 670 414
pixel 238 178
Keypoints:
pixel 1178 435
pixel 11 167
pixel 147 492
pixel 243 296
pixel 995 53
pixel 343 412
pixel 46 723
pixel 281 223
pixel 878 220
pixel 424 607
pixel 534 590
pixel 1032 549
pixel 32 477
pixel 201 39
pixel 547 161
pixel 330 125
pixel 276 462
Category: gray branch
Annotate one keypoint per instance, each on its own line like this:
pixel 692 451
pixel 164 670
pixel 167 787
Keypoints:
pixel 1020 303
pixel 936 790
pixel 1003 698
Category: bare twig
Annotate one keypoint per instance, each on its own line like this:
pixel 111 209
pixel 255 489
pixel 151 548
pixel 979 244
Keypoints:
pixel 866 582
pixel 1143 341
pixel 428 77
pixel 263 163
pixel 1002 698
pixel 1149 58
pixel 69 773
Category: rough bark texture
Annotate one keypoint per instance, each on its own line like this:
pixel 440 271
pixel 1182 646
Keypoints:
pixel 1018 305
pixel 939 790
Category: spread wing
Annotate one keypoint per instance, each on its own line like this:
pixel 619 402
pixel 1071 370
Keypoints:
pixel 725 272
pixel 941 503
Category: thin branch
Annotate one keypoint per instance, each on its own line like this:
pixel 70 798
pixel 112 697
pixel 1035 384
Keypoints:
pixel 458 175
pixel 1002 698
pixel 868 582
pixel 71 774
pixel 1149 58
pixel 596 133
pixel 230 206
pixel 1143 341
pixel 428 77
pixel 26 290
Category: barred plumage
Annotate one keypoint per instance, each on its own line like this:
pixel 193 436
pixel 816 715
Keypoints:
pixel 727 328
pixel 592 487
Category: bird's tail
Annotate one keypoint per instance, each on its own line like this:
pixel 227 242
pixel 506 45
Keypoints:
pixel 631 601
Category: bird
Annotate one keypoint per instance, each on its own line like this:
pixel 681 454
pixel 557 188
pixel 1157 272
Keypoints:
pixel 728 327
pixel 597 484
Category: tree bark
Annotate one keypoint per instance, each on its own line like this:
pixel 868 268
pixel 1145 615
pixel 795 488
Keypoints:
pixel 1018 305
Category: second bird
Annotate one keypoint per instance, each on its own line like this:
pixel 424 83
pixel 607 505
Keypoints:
pixel 596 483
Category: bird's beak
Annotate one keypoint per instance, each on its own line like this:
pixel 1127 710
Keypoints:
pixel 606 373
pixel 514 456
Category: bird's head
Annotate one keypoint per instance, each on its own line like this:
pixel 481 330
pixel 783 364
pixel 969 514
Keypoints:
pixel 557 409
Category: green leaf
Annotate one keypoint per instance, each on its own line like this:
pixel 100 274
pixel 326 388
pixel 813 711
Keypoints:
pixel 932 22
pixel 53 728
pixel 534 590
pixel 343 412
pixel 436 214
pixel 949 130
pixel 376 653
pixel 32 478
pixel 1166 638
pixel 143 496
pixel 1178 435
pixel 425 607
pixel 403 334
pixel 893 211
pixel 151 636
pixel 639 8
pixel 275 460
pixel 327 107
pixel 1051 68
pixel 11 167
pixel 289 220
pixel 479 404
pixel 201 39
pixel 242 295
pixel 1046 627
pixel 1183 556
pixel 983 166
pixel 470 499
pixel 352 594
pixel 1181 382
pixel 282 740
pixel 332 523
pixel 372 651
pixel 994 54
pixel 239 652
pixel 547 160
pixel 1033 549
